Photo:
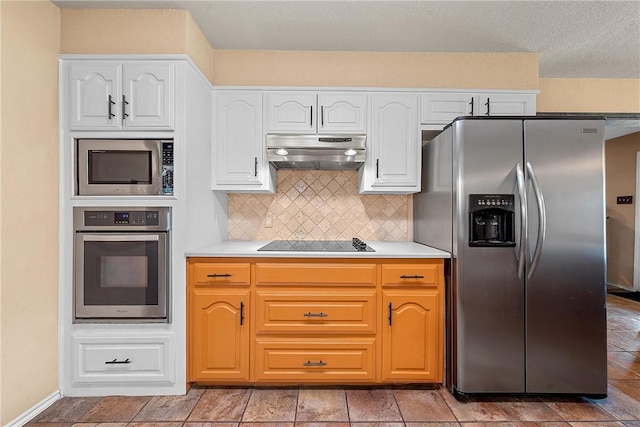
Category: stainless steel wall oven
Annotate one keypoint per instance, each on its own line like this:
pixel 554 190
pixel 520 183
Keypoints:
pixel 121 264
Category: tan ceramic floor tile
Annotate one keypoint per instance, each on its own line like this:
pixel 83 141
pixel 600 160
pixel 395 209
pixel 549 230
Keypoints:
pixel 528 409
pixel 474 408
pixel 519 424
pixel 155 424
pixel 620 404
pixel 322 424
pixel 627 360
pixel 599 424
pixel 422 405
pixel 169 408
pixel 67 409
pixel 271 405
pixel 579 409
pixel 115 408
pixel 221 404
pixel 446 424
pixel 322 405
pixel 372 405
pixel 216 424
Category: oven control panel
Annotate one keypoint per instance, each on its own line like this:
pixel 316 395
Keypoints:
pixel 121 218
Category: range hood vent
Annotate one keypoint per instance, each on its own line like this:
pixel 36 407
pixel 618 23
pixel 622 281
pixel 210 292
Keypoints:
pixel 331 152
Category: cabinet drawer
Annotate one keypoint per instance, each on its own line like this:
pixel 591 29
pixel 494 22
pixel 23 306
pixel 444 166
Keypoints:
pixel 411 274
pixel 316 274
pixel 207 273
pixel 313 311
pixel 316 360
pixel 106 359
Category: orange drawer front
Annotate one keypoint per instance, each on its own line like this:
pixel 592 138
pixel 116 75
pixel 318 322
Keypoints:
pixel 221 273
pixel 316 360
pixel 307 311
pixel 411 274
pixel 316 274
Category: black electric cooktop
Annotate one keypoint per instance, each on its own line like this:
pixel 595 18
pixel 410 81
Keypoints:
pixel 353 245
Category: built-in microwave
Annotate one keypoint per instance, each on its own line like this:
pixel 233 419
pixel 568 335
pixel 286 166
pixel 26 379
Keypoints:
pixel 124 167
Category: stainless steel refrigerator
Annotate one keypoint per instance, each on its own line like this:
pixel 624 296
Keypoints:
pixel 519 203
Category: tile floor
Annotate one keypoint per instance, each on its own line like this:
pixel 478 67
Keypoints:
pixel 411 406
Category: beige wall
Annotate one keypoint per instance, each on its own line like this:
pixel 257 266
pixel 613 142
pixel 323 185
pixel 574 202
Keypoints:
pixel 376 69
pixel 620 156
pixel 116 31
pixel 29 189
pixel 589 95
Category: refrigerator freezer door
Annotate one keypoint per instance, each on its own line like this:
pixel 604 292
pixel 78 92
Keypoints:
pixel 489 296
pixel 566 292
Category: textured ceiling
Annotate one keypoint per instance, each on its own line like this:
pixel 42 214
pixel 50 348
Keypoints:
pixel 574 39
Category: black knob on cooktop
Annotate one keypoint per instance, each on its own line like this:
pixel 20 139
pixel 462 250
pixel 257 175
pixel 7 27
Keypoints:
pixel 359 244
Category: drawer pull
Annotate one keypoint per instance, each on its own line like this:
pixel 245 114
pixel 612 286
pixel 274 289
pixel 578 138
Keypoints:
pixel 415 276
pixel 310 363
pixel 310 314
pixel 117 362
pixel 219 275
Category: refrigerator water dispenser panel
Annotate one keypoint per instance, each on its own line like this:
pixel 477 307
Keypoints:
pixel 491 220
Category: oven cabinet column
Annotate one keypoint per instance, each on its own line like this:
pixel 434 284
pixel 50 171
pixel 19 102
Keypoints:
pixel 218 332
pixel 411 322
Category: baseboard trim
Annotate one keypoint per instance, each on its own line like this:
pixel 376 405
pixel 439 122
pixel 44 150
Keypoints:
pixel 32 412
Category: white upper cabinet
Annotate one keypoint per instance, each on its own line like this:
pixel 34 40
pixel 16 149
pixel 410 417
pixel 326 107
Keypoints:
pixel 440 108
pixel 312 112
pixel 239 156
pixel 393 156
pixel 109 95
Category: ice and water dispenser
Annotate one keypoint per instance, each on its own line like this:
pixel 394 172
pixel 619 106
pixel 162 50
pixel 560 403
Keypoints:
pixel 491 221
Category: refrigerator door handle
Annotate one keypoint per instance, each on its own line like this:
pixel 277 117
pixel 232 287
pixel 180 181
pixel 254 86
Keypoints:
pixel 542 215
pixel 522 256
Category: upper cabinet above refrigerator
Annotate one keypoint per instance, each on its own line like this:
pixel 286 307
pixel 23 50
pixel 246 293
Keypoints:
pixel 312 112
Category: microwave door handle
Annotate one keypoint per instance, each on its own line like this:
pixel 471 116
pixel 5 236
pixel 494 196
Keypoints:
pixel 542 218
pixel 522 254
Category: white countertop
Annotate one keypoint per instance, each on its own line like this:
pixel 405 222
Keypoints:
pixel 383 249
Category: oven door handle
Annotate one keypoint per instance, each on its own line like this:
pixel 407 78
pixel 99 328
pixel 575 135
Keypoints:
pixel 92 237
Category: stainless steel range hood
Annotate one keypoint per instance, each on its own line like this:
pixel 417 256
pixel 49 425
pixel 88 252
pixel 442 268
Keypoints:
pixel 333 152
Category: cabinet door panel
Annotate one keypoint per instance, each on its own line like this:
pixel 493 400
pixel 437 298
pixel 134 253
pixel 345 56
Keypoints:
pixel 90 86
pixel 412 338
pixel 342 112
pixel 291 112
pixel 506 105
pixel 442 108
pixel 148 89
pixel 220 335
pixel 238 145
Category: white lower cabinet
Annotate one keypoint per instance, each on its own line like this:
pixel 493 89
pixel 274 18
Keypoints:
pixel 108 358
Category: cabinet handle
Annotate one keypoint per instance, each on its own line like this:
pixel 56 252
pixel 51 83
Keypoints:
pixel 241 313
pixel 219 275
pixel 415 276
pixel 322 115
pixel 255 167
pixel 487 104
pixel 311 115
pixel 310 314
pixel 390 313
pixel 111 115
pixel 124 108
pixel 377 168
pixel 310 363
pixel 117 362
pixel 471 103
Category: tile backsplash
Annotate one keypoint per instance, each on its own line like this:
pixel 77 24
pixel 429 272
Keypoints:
pixel 317 205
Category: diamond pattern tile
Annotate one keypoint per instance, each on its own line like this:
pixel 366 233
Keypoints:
pixel 318 205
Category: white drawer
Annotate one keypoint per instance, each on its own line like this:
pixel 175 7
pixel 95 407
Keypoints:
pixel 135 358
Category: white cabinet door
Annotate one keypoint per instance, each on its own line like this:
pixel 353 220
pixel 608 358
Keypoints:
pixel 239 156
pixel 291 112
pixel 94 93
pixel 505 105
pixel 342 112
pixel 442 108
pixel 148 97
pixel 393 161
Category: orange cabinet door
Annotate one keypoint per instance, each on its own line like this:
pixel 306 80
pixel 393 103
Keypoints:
pixel 220 335
pixel 412 336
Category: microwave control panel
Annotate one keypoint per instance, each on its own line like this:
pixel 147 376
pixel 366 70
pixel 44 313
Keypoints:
pixel 167 168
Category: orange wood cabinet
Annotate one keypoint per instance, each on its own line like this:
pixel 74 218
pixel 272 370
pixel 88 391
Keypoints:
pixel 295 320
